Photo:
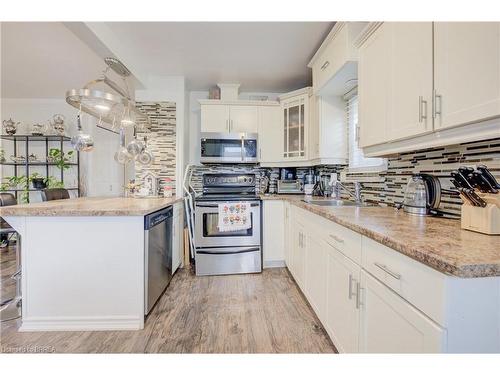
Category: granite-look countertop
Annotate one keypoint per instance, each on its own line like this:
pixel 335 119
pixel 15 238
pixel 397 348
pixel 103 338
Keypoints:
pixel 91 207
pixel 436 242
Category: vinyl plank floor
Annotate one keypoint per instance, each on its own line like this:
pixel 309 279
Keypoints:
pixel 252 313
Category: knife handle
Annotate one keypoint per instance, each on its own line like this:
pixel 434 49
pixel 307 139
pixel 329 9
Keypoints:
pixel 487 174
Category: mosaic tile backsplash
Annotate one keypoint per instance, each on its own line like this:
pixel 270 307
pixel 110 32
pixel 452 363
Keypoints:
pixel 161 140
pixel 388 187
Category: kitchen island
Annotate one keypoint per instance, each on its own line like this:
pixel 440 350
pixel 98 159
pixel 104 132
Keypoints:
pixel 83 262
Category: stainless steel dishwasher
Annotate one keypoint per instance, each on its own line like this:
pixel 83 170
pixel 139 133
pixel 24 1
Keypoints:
pixel 158 255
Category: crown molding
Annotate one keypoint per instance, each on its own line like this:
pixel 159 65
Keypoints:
pixel 366 33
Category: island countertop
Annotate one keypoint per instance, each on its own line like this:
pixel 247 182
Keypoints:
pixel 95 206
pixel 436 242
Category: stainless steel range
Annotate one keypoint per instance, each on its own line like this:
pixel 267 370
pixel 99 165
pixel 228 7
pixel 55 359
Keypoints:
pixel 227 252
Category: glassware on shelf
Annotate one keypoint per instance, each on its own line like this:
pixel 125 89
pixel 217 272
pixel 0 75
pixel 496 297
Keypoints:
pixel 17 159
pixel 10 126
pixel 38 129
pixel 58 124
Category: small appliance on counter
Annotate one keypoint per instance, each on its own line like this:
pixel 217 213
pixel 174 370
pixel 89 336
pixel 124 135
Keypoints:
pixel 478 189
pixel 309 182
pixel 289 183
pixel 290 186
pixel 422 196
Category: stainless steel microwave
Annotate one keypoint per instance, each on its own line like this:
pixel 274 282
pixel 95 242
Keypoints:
pixel 229 148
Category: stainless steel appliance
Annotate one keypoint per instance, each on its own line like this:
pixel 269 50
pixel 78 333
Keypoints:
pixel 217 252
pixel 290 187
pixel 229 148
pixel 158 255
pixel 422 196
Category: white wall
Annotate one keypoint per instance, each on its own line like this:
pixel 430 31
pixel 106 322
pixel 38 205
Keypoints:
pixel 194 121
pixel 99 173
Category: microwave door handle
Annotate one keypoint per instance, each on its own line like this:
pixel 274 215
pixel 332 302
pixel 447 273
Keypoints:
pixel 242 148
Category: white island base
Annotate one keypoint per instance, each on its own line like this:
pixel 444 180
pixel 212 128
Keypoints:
pixel 81 273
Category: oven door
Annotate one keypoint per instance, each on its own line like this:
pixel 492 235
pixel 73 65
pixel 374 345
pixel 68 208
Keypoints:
pixel 228 148
pixel 207 232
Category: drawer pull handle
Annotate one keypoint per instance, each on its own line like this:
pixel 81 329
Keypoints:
pixel 351 279
pixel 339 240
pixel 384 268
pixel 325 64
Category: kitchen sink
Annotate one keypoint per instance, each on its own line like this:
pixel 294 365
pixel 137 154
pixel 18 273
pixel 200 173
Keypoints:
pixel 334 202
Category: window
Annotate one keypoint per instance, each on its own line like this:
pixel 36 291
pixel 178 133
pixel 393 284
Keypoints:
pixel 357 161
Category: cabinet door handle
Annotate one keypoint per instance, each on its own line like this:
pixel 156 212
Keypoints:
pixel 422 109
pixel 384 268
pixel 351 279
pixel 337 239
pixel 358 295
pixel 227 126
pixel 325 65
pixel 435 110
pixel 231 125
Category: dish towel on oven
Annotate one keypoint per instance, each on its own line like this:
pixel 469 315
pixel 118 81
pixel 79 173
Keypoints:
pixel 234 216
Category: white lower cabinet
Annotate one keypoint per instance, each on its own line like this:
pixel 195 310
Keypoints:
pixel 273 240
pixel 342 305
pixel 315 274
pixel 389 324
pixel 373 299
pixel 298 255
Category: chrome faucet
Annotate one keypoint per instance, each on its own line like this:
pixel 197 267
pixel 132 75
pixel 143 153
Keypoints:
pixel 356 194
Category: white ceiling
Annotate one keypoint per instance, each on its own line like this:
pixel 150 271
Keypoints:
pixel 261 56
pixel 44 60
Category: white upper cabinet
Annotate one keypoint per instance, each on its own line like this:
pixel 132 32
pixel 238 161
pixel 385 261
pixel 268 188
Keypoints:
pixel 410 93
pixel 466 72
pixel 220 117
pixel 270 135
pixel 418 81
pixel 335 61
pixel 395 89
pixel 295 112
pixel 244 119
pixel 215 118
pixel 327 131
pixel 373 87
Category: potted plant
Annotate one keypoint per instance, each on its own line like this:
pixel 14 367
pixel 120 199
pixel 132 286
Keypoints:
pixel 61 159
pixel 38 181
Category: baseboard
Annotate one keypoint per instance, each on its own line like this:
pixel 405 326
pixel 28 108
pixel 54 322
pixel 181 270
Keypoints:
pixel 108 323
pixel 274 263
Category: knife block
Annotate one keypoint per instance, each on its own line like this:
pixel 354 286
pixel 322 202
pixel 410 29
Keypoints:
pixel 482 219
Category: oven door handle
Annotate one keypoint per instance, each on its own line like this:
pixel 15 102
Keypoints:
pixel 215 252
pixel 216 205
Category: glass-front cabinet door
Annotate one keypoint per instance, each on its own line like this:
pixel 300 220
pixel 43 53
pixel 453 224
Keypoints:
pixel 294 127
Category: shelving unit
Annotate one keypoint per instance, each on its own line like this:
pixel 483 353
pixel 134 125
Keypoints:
pixel 26 139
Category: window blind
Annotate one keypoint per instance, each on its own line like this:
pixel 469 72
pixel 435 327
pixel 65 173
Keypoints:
pixel 357 160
